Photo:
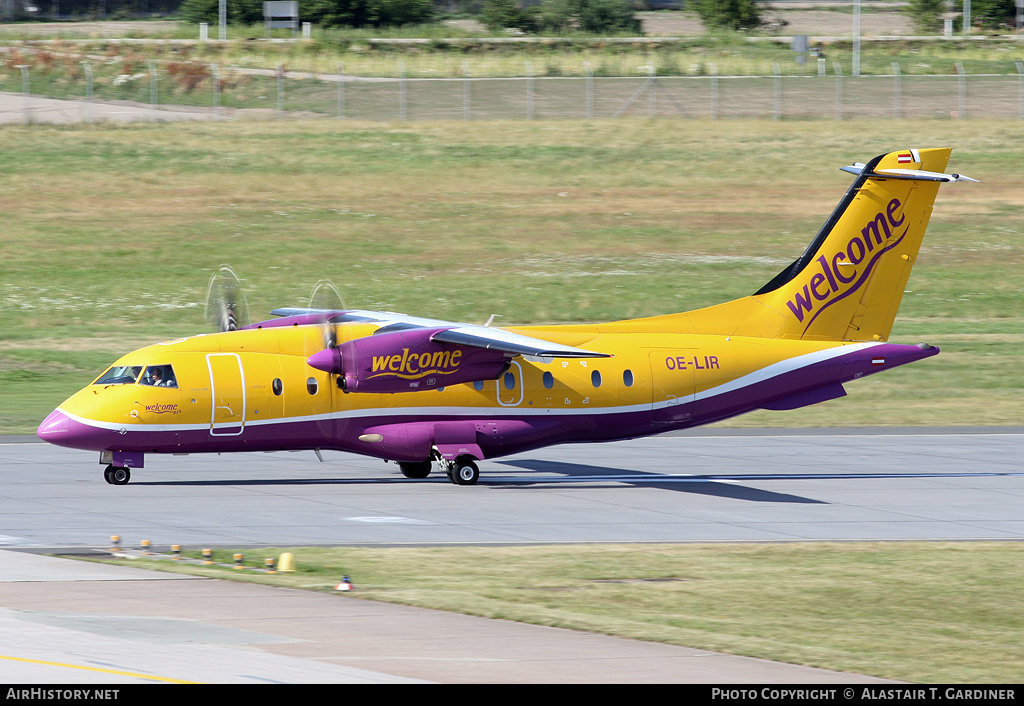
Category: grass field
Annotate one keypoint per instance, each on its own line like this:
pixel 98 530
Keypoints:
pixel 919 612
pixel 110 235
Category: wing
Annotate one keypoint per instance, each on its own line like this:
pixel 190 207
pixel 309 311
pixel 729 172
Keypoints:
pixel 451 332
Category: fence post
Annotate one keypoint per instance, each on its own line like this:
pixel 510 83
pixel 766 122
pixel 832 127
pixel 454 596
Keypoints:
pixel 24 92
pixel 280 91
pixel 897 108
pixel 403 112
pixel 590 90
pixel 529 91
pixel 467 96
pixel 962 92
pixel 341 90
pixel 1020 89
pixel 714 89
pixel 777 97
pixel 839 89
pixel 215 70
pixel 88 90
pixel 152 90
pixel 652 92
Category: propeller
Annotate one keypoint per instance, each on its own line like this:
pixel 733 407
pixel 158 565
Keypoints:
pixel 226 307
pixel 325 296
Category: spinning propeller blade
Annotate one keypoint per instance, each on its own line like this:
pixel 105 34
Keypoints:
pixel 226 307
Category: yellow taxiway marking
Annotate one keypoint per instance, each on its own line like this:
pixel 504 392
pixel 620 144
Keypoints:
pixel 98 669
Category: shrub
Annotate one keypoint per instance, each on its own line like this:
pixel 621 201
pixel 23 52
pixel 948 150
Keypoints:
pixel 729 14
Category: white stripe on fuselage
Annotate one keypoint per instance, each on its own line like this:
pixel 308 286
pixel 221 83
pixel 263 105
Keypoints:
pixel 383 413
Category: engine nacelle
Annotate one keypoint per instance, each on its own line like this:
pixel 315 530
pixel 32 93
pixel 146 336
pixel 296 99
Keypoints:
pixel 406 361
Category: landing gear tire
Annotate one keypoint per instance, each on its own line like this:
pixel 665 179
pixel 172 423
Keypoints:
pixel 464 471
pixel 116 475
pixel 415 470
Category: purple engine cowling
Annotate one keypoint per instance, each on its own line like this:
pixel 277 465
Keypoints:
pixel 406 361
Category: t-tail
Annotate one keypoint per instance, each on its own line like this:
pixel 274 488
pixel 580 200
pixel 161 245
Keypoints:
pixel 848 283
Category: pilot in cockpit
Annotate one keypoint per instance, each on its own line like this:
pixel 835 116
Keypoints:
pixel 159 376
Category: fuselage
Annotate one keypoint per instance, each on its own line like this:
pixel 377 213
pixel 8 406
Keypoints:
pixel 253 390
pixel 413 390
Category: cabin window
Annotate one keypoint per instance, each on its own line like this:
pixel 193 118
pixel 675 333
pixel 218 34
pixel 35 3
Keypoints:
pixel 277 386
pixel 510 381
pixel 549 380
pixel 311 386
pixel 595 378
pixel 159 376
pixel 120 375
pixel 478 385
pixel 627 378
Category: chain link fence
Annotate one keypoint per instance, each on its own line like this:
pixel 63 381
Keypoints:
pixel 208 91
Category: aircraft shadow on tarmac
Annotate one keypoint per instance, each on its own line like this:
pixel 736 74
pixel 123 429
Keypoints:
pixel 555 472
pixel 718 486
pixel 586 475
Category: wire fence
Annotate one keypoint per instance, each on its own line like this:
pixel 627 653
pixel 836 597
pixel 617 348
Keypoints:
pixel 201 91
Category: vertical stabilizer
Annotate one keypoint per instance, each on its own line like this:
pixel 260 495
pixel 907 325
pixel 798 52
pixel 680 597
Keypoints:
pixel 849 282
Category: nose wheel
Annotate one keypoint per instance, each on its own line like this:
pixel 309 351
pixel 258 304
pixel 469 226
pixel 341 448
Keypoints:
pixel 116 475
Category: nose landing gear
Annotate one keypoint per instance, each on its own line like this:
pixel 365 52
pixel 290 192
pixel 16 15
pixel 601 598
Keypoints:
pixel 117 475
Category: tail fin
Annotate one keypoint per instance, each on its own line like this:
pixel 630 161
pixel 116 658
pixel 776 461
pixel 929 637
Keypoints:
pixel 849 282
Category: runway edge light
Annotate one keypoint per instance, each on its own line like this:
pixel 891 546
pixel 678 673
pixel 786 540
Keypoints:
pixel 286 563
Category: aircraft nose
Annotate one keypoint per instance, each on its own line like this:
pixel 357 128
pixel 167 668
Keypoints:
pixel 55 429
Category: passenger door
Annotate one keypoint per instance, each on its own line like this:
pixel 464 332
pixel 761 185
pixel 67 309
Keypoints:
pixel 227 394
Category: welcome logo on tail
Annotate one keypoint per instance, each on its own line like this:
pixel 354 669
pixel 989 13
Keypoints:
pixel 849 283
pixel 829 283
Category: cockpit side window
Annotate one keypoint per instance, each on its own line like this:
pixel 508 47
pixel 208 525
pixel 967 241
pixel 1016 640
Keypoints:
pixel 120 375
pixel 159 376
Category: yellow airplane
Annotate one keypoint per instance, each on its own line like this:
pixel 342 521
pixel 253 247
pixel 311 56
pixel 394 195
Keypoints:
pixel 423 391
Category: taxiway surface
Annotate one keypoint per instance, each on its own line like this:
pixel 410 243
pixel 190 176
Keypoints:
pixel 707 486
pixel 62 621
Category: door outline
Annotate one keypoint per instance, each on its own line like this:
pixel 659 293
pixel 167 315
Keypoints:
pixel 237 425
pixel 672 370
pixel 517 375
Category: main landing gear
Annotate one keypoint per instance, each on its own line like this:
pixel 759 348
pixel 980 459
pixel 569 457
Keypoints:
pixel 462 471
pixel 116 475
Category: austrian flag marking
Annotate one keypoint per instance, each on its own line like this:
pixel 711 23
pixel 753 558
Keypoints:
pixel 908 157
pixel 878 361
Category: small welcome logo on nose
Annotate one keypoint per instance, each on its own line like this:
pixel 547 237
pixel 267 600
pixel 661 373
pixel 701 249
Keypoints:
pixel 163 408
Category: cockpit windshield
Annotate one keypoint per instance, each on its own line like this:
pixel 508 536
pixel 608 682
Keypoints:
pixel 120 375
pixel 155 375
pixel 160 376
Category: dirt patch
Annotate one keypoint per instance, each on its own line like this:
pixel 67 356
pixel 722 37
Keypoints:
pixel 818 23
pixel 90 29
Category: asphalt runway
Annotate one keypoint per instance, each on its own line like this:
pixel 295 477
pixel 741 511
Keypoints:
pixel 64 621
pixel 701 486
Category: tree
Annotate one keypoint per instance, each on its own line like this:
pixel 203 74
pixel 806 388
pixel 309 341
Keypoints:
pixel 926 14
pixel 244 12
pixel 323 13
pixel 729 14
pixel 559 16
pixel 993 14
pixel 499 15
